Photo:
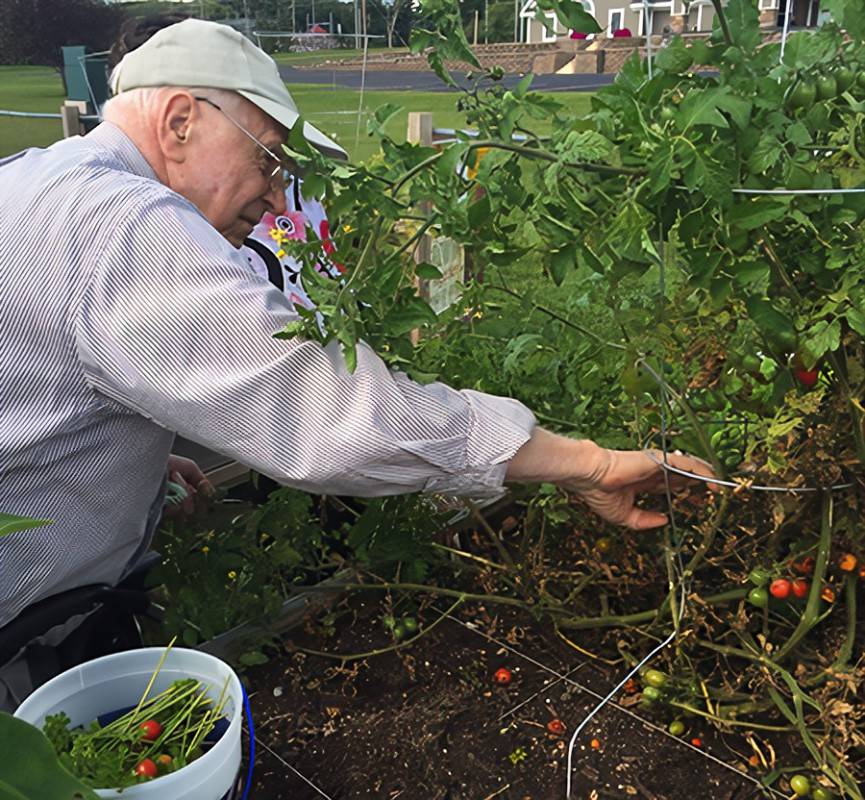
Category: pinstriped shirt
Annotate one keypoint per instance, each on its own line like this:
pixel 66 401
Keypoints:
pixel 127 318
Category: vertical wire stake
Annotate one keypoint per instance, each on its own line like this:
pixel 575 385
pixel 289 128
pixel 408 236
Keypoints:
pixel 677 614
pixel 788 12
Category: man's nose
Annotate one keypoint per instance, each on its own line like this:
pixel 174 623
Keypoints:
pixel 275 198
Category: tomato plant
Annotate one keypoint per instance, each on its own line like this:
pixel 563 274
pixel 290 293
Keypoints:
pixel 673 270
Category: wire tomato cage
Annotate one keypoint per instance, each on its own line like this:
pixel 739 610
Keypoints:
pixel 679 583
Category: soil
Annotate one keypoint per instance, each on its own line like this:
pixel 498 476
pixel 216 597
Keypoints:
pixel 428 722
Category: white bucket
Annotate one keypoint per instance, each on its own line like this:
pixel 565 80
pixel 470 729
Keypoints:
pixel 115 682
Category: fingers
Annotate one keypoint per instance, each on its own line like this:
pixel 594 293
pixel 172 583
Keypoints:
pixel 687 463
pixel 641 520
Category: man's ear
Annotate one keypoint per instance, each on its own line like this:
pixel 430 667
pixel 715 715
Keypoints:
pixel 177 113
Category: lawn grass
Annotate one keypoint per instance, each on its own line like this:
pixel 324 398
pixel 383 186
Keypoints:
pixel 29 89
pixel 333 109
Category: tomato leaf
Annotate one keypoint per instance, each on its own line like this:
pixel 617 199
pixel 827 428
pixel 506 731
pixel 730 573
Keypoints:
pixel 766 154
pixel 571 15
pixel 750 214
pixel 823 337
pixel 428 272
pixel 700 107
pixel 744 21
pixel 10 523
pixel 561 261
pixel 675 57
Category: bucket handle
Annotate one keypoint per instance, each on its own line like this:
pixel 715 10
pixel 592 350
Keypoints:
pixel 251 729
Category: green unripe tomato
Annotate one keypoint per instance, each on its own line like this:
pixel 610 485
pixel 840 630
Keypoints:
pixel 635 381
pixel 845 78
pixel 677 727
pixel 667 113
pixel 651 694
pixel 758 597
pixel 410 625
pixel 656 678
pixel 759 576
pixel 827 87
pixel 820 793
pixel 399 631
pixel 751 363
pixel 801 95
pixel 800 785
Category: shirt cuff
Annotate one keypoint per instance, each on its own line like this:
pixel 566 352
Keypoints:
pixel 499 427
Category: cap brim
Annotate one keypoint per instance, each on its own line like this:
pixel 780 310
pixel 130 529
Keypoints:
pixel 288 117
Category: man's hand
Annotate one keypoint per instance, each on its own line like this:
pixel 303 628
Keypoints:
pixel 620 475
pixel 608 480
pixel 188 475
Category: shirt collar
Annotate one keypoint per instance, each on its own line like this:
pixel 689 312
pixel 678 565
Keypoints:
pixel 110 137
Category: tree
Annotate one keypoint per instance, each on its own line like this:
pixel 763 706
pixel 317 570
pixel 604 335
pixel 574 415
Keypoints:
pixel 33 31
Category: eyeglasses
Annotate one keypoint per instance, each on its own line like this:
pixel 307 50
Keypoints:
pixel 274 176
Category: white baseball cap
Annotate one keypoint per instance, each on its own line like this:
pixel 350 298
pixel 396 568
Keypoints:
pixel 198 53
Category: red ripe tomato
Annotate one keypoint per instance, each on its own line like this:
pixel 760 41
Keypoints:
pixel 556 726
pixel 780 588
pixel 502 676
pixel 800 588
pixel 807 377
pixel 150 729
pixel 146 769
pixel 697 741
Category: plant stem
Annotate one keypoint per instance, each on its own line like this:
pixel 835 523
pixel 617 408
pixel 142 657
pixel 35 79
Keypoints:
pixel 722 20
pixel 494 537
pixel 462 554
pixel 811 614
pixel 627 620
pixel 733 722
pixel 550 313
pixel 381 650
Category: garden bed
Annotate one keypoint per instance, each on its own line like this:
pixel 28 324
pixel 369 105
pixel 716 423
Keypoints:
pixel 429 721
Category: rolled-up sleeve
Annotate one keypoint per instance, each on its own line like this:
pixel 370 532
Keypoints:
pixel 173 325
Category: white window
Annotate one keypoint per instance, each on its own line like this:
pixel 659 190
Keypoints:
pixel 768 5
pixel 615 20
pixel 546 36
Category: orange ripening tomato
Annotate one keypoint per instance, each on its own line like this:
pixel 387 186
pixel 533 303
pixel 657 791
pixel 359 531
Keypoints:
pixel 556 727
pixel 848 562
pixel 828 594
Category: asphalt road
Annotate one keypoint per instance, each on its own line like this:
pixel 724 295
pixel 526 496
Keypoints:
pixel 429 81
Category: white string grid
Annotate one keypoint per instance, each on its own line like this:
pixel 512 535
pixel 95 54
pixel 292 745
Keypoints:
pixel 282 761
pixel 621 709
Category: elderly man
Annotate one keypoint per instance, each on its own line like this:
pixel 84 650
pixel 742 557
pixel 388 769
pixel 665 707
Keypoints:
pixel 128 317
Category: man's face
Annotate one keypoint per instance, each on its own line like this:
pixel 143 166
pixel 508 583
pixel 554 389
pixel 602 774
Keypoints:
pixel 227 174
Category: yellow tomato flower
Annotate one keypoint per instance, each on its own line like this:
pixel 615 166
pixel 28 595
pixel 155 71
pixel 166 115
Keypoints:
pixel 232 575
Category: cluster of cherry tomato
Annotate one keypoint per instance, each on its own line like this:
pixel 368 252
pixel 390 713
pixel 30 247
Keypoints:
pixel 151 730
pixel 801 787
pixel 804 91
